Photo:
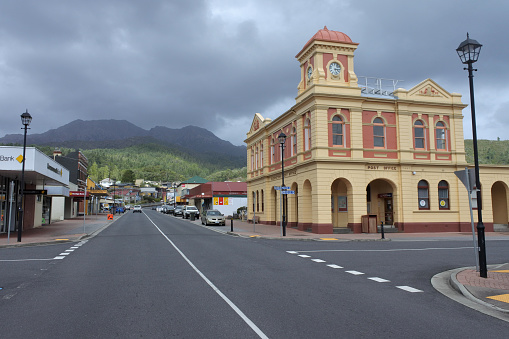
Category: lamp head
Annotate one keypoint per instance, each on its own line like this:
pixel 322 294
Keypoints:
pixel 469 50
pixel 282 138
pixel 26 118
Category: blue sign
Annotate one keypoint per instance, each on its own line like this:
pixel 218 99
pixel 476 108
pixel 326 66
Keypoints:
pixel 287 192
pixel 285 188
pixel 277 188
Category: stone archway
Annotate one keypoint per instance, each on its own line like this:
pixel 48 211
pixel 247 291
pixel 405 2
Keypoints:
pixel 499 204
pixel 381 201
pixel 293 206
pixel 305 207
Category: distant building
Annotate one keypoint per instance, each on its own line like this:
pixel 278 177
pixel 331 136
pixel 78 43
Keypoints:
pixel 225 197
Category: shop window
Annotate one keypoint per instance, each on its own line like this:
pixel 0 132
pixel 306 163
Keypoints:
pixel 337 131
pixel 378 133
pixel 443 195
pixel 294 141
pixel 440 132
pixel 419 139
pixel 423 195
pixel 307 135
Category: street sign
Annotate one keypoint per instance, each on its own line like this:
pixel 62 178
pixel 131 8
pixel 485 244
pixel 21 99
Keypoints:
pixel 285 188
pixel 277 188
pixel 462 175
pixel 287 192
pixel 26 192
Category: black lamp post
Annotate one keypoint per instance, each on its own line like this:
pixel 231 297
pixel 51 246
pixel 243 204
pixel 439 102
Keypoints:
pixel 468 52
pixel 26 118
pixel 282 140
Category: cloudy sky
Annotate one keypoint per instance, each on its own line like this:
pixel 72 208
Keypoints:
pixel 214 64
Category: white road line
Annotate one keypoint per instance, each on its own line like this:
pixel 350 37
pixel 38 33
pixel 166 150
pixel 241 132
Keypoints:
pixel 409 289
pixel 59 257
pixel 9 260
pixel 392 250
pixel 318 260
pixel 224 297
pixel 64 253
pixel 335 266
pixel 69 250
pixel 354 272
pixel 292 252
pixel 304 256
pixel 378 279
pixel 75 247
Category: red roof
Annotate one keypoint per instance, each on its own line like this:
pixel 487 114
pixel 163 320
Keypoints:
pixel 332 36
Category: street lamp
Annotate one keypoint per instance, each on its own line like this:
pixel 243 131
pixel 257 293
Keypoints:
pixel 282 140
pixel 468 52
pixel 26 118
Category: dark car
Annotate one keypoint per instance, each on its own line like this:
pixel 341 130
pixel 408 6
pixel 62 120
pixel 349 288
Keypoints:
pixel 169 210
pixel 178 210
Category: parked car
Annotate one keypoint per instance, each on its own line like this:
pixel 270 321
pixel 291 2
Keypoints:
pixel 137 208
pixel 170 210
pixel 163 209
pixel 188 210
pixel 212 217
pixel 178 210
pixel 120 209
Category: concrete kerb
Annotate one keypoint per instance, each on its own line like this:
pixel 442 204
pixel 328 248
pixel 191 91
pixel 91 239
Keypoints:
pixel 447 284
pixel 96 232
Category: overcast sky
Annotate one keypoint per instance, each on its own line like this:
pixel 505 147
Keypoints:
pixel 214 64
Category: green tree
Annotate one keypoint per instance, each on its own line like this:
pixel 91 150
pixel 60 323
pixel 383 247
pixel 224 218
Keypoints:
pixel 128 176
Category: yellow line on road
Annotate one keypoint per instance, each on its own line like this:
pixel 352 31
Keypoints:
pixel 61 239
pixel 328 239
pixel 501 271
pixel 502 297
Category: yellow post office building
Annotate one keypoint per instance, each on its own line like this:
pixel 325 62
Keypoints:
pixel 358 154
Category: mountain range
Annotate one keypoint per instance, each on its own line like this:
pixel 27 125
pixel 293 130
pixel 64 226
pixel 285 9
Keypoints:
pixel 116 134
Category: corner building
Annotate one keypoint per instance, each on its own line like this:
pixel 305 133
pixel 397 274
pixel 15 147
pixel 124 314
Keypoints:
pixel 356 152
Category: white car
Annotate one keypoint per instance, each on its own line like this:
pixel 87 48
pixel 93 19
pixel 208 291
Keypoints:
pixel 187 210
pixel 137 208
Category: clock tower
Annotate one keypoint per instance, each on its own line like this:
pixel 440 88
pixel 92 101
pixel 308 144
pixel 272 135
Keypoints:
pixel 326 64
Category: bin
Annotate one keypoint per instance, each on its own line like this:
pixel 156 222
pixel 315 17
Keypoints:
pixel 369 223
pixel 192 216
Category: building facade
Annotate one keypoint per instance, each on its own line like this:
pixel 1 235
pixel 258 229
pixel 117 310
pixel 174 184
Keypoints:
pixel 356 150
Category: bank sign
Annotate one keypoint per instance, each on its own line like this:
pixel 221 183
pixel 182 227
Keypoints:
pixel 11 159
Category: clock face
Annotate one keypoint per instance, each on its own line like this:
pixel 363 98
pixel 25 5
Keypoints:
pixel 310 72
pixel 334 68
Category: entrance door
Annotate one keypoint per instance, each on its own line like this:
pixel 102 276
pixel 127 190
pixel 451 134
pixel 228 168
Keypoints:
pixel 388 211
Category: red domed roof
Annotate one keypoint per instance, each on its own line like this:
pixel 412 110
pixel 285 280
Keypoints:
pixel 332 36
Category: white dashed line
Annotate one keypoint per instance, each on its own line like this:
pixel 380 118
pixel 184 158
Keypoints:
pixel 335 266
pixel 318 260
pixel 292 252
pixel 378 279
pixel 354 272
pixel 64 253
pixel 304 256
pixel 59 257
pixel 409 289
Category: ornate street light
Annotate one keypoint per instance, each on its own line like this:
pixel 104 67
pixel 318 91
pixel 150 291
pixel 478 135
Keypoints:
pixel 282 140
pixel 468 52
pixel 26 119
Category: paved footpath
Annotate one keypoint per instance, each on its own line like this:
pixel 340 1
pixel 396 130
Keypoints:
pixel 492 292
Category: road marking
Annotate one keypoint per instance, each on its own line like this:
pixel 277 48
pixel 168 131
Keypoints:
pixel 64 253
pixel 224 297
pixel 335 266
pixel 409 289
pixel 378 279
pixel 354 272
pixel 327 239
pixel 69 250
pixel 304 256
pixel 501 297
pixel 392 250
pixel 9 260
pixel 61 239
pixel 292 252
pixel 318 260
pixel 59 257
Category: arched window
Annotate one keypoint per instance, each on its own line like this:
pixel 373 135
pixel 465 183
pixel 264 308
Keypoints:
pixel 252 159
pixel 254 200
pixel 441 136
pixel 307 135
pixel 272 152
pixel 337 130
pixel 443 195
pixel 423 194
pixel 419 135
pixel 378 133
pixel 257 159
pixel 263 204
pixel 257 202
pixel 261 155
pixel 294 141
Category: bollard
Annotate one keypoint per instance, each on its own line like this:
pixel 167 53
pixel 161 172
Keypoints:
pixel 382 230
pixel 192 216
pixel 231 224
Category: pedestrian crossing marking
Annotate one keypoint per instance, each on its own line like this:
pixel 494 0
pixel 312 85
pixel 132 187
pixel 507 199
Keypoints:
pixel 502 297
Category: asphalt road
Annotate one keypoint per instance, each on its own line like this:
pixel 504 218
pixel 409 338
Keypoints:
pixel 155 276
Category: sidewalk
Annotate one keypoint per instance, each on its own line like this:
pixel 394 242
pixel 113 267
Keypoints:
pixel 492 292
pixel 68 230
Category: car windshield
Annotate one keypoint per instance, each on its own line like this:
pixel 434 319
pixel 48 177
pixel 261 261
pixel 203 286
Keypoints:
pixel 192 208
pixel 213 213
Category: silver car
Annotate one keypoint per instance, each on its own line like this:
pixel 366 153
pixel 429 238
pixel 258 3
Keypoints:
pixel 212 217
